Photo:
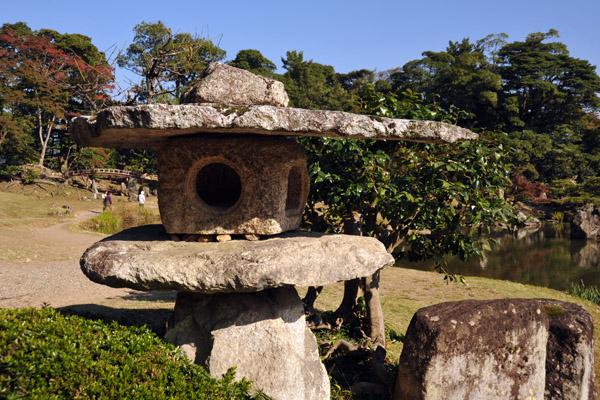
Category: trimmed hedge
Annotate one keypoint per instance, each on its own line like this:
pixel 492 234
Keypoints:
pixel 45 354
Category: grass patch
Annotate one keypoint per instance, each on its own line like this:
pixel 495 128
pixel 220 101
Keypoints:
pixel 47 354
pixel 21 209
pixel 121 216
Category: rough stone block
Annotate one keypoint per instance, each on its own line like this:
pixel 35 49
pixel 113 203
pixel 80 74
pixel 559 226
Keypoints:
pixel 232 185
pixel 570 373
pixel 263 334
pixel 586 224
pixel 224 84
pixel 498 349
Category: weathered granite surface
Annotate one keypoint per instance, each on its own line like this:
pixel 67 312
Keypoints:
pixel 218 185
pixel 506 349
pixel 146 126
pixel 145 259
pixel 570 373
pixel 586 223
pixel 263 334
pixel 224 84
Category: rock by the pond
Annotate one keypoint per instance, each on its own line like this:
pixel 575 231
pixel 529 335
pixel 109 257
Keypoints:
pixel 498 349
pixel 586 254
pixel 147 126
pixel 586 224
pixel 232 185
pixel 144 258
pixel 224 84
pixel 263 334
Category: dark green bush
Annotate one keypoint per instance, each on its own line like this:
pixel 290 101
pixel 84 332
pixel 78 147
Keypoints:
pixel 564 188
pixel 48 355
pixel 30 177
pixel 590 293
pixel 592 186
pixel 577 201
pixel 8 172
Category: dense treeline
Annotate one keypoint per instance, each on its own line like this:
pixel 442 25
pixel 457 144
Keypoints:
pixel 543 99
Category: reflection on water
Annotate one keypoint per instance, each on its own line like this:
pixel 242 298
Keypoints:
pixel 544 257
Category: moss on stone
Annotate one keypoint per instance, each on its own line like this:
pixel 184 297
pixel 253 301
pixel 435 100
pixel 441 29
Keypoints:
pixel 228 110
pixel 553 311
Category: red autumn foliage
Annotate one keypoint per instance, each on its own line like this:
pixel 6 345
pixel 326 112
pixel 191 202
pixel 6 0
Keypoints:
pixel 532 192
pixel 38 62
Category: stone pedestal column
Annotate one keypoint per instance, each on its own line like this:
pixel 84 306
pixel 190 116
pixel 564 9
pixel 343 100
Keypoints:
pixel 263 334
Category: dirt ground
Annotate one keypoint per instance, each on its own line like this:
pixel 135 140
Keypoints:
pixel 45 269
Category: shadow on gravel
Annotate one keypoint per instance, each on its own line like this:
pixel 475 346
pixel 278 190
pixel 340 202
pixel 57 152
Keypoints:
pixel 154 319
pixel 164 296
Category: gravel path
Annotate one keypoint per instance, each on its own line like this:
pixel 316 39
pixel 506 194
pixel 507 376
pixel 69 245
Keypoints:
pixel 54 283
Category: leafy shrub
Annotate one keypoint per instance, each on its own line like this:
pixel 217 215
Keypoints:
pixel 9 172
pixel 121 216
pixel 592 186
pixel 30 176
pixel 106 222
pixel 532 192
pixel 577 201
pixel 563 188
pixel 590 293
pixel 45 354
pixel 558 216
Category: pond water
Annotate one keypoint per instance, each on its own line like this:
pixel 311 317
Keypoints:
pixel 544 257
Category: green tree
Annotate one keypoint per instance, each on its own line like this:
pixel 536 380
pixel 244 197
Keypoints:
pixel 253 61
pixel 550 94
pixel 548 87
pixel 422 201
pixel 39 70
pixel 166 63
pixel 461 75
pixel 41 83
pixel 531 89
pixel 314 86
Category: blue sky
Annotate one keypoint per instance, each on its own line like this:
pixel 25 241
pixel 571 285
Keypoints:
pixel 348 35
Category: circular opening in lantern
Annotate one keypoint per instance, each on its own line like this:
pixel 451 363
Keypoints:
pixel 218 186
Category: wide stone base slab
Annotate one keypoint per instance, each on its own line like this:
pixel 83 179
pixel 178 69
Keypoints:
pixel 263 334
pixel 144 258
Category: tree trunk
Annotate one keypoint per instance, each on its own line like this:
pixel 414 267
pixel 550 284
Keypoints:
pixel 3 134
pixel 310 298
pixel 44 141
pixel 374 310
pixel 370 286
pixel 64 166
pixel 345 312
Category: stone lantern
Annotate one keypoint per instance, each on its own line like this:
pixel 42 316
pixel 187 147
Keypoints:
pixel 232 185
pixel 227 166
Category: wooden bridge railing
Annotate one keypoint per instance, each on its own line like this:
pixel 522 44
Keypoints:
pixel 101 171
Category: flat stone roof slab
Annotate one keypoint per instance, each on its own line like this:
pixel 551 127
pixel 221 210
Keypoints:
pixel 144 258
pixel 146 126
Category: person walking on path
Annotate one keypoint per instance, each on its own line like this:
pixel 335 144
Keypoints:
pixel 142 198
pixel 107 201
